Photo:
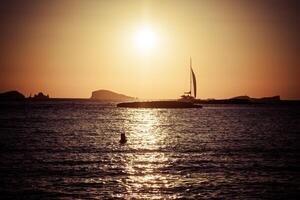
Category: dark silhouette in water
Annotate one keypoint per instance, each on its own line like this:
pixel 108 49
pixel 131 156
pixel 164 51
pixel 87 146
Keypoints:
pixel 123 138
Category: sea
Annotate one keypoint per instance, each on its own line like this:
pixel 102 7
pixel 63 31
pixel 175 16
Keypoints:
pixel 70 149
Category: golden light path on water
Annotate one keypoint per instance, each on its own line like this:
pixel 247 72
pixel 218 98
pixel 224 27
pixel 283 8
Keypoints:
pixel 148 168
pixel 143 168
pixel 143 134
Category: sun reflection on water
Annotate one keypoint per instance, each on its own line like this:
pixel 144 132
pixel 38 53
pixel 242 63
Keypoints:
pixel 144 130
pixel 144 168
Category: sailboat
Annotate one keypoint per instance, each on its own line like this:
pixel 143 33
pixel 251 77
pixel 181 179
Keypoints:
pixel 190 96
pixel 187 100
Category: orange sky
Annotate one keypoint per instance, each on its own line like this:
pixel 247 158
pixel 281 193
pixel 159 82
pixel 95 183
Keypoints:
pixel 70 48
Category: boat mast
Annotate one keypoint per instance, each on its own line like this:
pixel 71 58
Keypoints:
pixel 191 76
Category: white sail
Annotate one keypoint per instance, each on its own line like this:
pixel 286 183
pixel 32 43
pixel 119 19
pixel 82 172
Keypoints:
pixel 192 93
pixel 194 82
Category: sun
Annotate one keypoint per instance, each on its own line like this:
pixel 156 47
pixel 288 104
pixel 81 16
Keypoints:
pixel 145 39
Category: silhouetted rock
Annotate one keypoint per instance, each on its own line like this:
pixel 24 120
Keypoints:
pixel 106 95
pixel 39 96
pixel 11 96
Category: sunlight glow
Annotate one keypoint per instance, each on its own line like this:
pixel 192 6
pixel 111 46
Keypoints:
pixel 145 39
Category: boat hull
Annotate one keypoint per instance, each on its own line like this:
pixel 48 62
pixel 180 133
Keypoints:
pixel 159 104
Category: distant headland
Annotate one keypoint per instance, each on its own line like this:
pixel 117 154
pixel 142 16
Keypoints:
pixel 243 100
pixel 12 96
pixel 17 96
pixel 110 96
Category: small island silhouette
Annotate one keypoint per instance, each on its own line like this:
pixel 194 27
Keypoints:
pixel 39 96
pixel 107 95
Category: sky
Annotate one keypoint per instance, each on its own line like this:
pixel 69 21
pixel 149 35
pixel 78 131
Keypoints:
pixel 142 48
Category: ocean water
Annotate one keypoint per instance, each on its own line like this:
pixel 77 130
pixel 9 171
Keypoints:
pixel 70 150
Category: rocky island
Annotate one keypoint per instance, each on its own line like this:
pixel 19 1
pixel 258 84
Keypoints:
pixel 106 95
pixel 39 96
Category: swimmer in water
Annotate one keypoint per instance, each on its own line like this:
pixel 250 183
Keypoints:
pixel 123 138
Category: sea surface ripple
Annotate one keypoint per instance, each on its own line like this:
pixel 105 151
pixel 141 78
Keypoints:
pixel 70 150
